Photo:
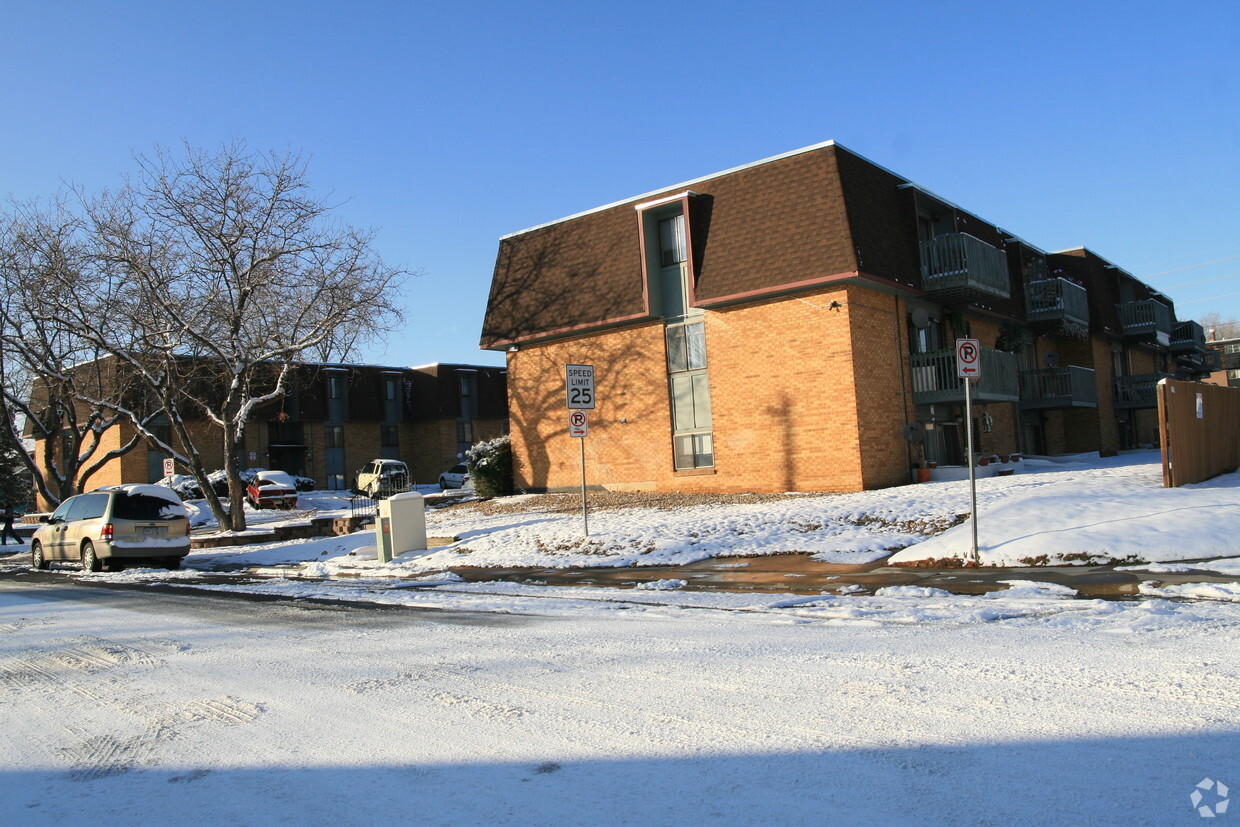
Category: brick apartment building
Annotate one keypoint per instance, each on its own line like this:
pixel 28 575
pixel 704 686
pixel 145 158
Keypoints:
pixel 779 326
pixel 336 417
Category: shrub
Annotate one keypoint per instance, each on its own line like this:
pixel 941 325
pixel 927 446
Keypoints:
pixel 490 467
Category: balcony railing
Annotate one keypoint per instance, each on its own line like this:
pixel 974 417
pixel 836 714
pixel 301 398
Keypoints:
pixel 1139 390
pixel 959 267
pixel 1188 337
pixel 935 379
pixel 1065 387
pixel 1146 319
pixel 1196 366
pixel 1056 300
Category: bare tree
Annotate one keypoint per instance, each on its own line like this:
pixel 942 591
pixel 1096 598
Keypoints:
pixel 53 386
pixel 1223 328
pixel 213 273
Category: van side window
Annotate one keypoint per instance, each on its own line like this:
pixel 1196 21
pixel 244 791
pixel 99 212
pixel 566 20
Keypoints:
pixel 88 507
pixel 61 514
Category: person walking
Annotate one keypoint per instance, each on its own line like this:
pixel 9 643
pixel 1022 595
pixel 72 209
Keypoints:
pixel 8 531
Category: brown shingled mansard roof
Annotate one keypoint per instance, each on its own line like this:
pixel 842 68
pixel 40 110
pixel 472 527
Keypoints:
pixel 811 217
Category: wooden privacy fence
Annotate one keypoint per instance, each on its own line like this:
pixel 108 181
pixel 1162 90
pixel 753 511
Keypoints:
pixel 1200 427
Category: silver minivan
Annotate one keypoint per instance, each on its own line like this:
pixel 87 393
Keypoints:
pixel 110 526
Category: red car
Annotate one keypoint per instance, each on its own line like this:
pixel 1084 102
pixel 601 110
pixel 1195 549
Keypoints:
pixel 271 489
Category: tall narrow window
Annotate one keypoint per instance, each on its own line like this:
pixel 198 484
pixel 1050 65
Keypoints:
pixel 692 436
pixel 671 241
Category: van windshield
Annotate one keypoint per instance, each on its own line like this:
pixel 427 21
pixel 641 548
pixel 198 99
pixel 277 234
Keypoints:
pixel 144 507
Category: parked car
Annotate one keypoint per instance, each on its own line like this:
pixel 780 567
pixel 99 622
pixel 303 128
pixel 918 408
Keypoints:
pixel 381 478
pixel 271 489
pixel 111 525
pixel 455 477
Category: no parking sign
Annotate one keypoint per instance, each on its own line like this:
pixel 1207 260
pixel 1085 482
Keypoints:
pixel 578 424
pixel 968 358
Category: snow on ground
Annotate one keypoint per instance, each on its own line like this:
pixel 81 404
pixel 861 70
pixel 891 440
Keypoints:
pixel 1084 509
pixel 511 703
pixel 908 707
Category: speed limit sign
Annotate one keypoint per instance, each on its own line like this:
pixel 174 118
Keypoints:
pixel 968 358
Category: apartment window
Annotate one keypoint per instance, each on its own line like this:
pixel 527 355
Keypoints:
pixel 689 387
pixel 1231 347
pixel 465 432
pixel 389 389
pixel 671 240
pixel 468 384
pixel 389 436
pixel 335 387
pixel 333 456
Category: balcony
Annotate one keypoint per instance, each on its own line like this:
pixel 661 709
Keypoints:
pixel 958 268
pixel 1056 300
pixel 1139 390
pixel 1057 388
pixel 1197 366
pixel 1188 337
pixel 935 380
pixel 1148 319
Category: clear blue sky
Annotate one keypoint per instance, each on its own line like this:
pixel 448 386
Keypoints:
pixel 447 125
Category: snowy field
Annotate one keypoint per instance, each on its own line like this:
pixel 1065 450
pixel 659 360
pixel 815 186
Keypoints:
pixel 494 703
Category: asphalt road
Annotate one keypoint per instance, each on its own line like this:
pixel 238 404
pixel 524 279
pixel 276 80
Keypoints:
pixel 225 608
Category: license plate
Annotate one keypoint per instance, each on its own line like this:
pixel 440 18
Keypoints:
pixel 152 531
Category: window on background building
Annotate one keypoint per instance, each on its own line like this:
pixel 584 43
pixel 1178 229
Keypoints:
pixel 465 432
pixel 468 386
pixel 389 389
pixel 692 437
pixel 333 456
pixel 389 436
pixel 335 387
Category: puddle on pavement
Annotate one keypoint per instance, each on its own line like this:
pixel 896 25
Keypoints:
pixel 801 574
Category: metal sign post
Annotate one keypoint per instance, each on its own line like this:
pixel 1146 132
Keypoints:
pixel 578 428
pixel 968 368
pixel 579 384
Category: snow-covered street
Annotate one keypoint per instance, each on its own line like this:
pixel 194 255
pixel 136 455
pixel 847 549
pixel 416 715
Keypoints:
pixel 132 707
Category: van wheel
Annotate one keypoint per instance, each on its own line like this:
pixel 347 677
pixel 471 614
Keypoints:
pixel 172 563
pixel 37 560
pixel 90 560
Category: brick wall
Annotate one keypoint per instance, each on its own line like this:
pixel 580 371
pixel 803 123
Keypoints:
pixel 880 360
pixel 787 379
pixel 629 443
